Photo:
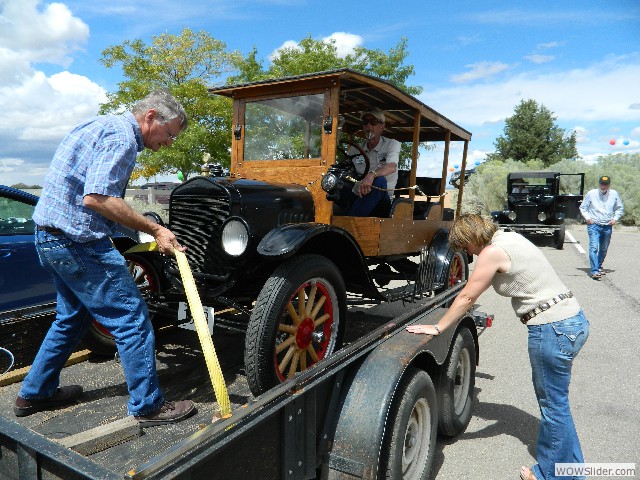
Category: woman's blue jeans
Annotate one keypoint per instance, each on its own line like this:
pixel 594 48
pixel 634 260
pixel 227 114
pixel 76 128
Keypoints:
pixel 92 281
pixel 599 238
pixel 552 348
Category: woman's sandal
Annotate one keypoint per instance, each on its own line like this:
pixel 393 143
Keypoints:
pixel 527 474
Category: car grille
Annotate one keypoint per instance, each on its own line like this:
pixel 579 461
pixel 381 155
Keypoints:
pixel 197 222
pixel 527 214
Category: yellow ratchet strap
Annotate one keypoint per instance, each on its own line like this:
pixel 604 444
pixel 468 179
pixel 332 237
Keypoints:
pixel 197 312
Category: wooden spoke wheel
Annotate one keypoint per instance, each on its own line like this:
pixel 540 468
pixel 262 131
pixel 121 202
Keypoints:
pixel 306 331
pixel 297 321
pixel 458 269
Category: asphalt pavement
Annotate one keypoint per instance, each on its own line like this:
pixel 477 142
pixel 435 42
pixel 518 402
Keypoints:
pixel 605 387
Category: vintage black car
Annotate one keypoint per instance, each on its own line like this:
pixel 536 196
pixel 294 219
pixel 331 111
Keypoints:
pixel 267 243
pixel 538 203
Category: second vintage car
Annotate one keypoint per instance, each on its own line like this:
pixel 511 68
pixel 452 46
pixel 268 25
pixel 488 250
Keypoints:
pixel 538 203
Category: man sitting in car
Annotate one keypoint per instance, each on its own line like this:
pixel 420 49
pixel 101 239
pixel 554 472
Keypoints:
pixel 373 193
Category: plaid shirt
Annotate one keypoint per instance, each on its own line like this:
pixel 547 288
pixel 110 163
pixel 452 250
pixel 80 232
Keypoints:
pixel 98 156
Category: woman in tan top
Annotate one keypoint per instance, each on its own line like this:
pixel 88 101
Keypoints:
pixel 557 327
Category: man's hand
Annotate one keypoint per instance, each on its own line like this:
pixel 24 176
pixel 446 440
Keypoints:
pixel 590 221
pixel 167 241
pixel 365 184
pixel 612 222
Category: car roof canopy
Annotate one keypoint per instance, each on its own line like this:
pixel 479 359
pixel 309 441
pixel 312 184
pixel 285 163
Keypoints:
pixel 533 174
pixel 357 92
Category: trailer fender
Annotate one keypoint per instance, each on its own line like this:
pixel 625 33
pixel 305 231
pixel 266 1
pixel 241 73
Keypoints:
pixel 444 254
pixel 365 406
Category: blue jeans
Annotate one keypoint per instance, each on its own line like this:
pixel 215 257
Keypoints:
pixel 376 201
pixel 92 281
pixel 552 348
pixel 599 238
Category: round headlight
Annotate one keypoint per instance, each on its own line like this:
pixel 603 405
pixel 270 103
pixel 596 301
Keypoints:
pixel 235 237
pixel 512 216
pixel 329 182
pixel 542 216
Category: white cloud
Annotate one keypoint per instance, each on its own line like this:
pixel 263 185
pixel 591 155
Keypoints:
pixel 38 110
pixel 538 59
pixel 597 92
pixel 635 132
pixel 48 34
pixel 596 97
pixel 548 45
pixel 480 70
pixel 344 42
pixel 582 134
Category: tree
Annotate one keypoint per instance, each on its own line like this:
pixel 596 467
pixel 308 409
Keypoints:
pixel 310 55
pixel 187 64
pixel 531 133
pixel 190 63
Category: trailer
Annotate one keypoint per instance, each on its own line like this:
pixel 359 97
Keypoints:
pixel 317 389
pixel 371 410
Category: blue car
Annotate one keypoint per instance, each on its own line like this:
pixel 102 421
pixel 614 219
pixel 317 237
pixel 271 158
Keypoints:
pixel 27 293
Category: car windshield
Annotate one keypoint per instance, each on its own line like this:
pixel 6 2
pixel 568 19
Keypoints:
pixel 284 128
pixel 15 217
pixel 531 185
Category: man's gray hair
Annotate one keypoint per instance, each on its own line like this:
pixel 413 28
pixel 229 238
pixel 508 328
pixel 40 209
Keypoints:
pixel 162 102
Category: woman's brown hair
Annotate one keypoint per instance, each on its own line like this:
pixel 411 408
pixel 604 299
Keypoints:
pixel 471 229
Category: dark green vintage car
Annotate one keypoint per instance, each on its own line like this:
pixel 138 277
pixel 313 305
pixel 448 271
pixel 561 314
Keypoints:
pixel 539 202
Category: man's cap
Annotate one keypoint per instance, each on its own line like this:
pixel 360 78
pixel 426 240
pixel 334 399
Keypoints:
pixel 605 179
pixel 374 112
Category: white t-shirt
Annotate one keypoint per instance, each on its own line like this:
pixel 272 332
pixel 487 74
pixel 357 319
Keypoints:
pixel 386 151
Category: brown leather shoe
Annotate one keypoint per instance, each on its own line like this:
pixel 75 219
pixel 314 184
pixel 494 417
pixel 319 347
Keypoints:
pixel 63 396
pixel 169 412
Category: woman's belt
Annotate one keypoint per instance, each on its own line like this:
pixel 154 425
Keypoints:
pixel 544 306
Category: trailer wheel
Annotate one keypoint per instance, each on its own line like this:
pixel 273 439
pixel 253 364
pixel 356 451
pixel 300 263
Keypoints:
pixel 298 320
pixel 97 338
pixel 558 237
pixel 410 434
pixel 456 384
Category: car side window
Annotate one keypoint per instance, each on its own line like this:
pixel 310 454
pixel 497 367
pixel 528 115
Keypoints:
pixel 15 217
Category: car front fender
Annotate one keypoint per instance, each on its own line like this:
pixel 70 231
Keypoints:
pixel 331 242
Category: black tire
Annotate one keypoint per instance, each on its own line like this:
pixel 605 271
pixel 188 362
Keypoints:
pixel 456 382
pixel 97 338
pixel 276 345
pixel 410 434
pixel 558 237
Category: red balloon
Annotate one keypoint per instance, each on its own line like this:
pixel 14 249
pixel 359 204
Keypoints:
pixel 451 169
pixel 612 142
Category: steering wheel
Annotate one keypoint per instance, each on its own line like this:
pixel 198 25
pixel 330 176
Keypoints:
pixel 345 160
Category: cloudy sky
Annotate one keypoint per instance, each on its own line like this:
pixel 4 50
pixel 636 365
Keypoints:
pixel 475 60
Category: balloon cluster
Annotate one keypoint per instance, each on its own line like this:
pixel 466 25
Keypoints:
pixel 613 142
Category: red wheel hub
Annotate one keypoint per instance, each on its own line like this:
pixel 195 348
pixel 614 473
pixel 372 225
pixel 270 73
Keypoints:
pixel 303 336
